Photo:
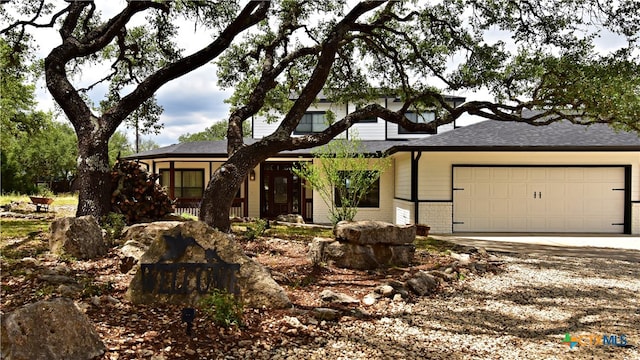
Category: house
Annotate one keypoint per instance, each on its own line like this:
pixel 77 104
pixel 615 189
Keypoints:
pixel 487 177
pixel 513 177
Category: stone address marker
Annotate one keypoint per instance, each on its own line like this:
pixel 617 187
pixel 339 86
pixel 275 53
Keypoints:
pixel 186 262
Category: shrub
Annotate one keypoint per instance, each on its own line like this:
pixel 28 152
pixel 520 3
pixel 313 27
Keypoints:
pixel 113 224
pixel 257 229
pixel 223 308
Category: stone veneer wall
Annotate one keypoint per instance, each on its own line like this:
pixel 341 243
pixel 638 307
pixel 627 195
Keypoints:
pixel 438 215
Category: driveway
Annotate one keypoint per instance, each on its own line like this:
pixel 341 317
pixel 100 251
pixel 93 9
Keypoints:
pixel 545 302
pixel 619 247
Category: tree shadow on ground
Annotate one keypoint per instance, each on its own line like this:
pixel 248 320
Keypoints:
pixel 532 312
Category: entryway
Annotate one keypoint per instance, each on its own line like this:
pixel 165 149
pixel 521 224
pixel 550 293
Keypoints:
pixel 283 192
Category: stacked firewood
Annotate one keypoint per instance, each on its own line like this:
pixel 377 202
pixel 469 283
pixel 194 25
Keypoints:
pixel 136 194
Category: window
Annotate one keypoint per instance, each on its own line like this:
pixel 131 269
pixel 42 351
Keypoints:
pixel 418 118
pixel 371 198
pixel 188 183
pixel 312 122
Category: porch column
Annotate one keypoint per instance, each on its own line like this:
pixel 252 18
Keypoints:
pixel 172 180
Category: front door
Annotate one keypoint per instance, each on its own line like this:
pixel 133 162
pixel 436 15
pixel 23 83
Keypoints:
pixel 280 190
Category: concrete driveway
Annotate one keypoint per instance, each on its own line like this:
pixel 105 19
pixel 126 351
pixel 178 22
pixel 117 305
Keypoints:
pixel 619 247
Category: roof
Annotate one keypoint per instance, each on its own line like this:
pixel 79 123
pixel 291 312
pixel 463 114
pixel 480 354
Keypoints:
pixel 208 149
pixel 494 135
pixel 487 135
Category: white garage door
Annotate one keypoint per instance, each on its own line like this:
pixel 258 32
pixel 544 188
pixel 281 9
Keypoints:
pixel 538 199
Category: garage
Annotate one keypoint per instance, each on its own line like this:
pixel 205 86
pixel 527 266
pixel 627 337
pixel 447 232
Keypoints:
pixel 539 199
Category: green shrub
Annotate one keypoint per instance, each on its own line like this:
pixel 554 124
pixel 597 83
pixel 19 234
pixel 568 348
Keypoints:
pixel 44 191
pixel 114 224
pixel 223 308
pixel 256 229
pixel 188 216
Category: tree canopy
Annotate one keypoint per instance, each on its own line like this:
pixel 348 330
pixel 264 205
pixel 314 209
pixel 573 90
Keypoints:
pixel 278 56
pixel 217 131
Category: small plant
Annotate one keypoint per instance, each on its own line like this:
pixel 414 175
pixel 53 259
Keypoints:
pixel 44 292
pixel 223 308
pixel 113 224
pixel 44 191
pixel 257 229
pixel 188 216
pixel 92 288
pixel 66 258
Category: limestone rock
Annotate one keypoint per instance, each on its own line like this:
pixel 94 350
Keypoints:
pixel 374 232
pixel 362 257
pixel 186 262
pixel 334 297
pixel 443 275
pixel 53 330
pixel 422 283
pixel 291 218
pixel 137 239
pixel 79 237
pixel 326 314
pixel 463 259
pixel 371 298
pixel 385 290
pixel 145 234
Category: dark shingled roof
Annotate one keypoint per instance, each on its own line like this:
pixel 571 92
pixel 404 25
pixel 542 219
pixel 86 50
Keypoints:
pixel 515 136
pixel 483 136
pixel 202 149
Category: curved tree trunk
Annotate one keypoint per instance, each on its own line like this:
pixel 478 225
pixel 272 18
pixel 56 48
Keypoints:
pixel 225 183
pixel 94 177
pixel 219 194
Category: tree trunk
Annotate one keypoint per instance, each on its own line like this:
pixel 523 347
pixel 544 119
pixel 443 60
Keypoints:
pixel 94 178
pixel 225 183
pixel 219 195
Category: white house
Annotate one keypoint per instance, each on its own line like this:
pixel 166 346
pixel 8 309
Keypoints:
pixel 488 177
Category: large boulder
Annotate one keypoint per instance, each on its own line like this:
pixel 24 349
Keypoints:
pixel 361 257
pixel 80 237
pixel 185 262
pixel 137 239
pixel 52 330
pixel 374 232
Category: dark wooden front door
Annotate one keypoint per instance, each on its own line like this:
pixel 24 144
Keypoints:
pixel 281 190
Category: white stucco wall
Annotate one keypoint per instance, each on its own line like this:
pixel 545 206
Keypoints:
pixel 384 212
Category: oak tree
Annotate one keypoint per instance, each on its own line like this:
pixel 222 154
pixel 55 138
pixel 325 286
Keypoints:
pixel 140 57
pixel 545 66
pixel 544 59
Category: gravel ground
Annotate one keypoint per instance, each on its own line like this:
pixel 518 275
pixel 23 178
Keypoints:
pixel 521 313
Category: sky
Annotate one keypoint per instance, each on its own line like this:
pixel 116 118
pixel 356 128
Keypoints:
pixel 194 102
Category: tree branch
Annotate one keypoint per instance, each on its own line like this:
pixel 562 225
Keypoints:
pixel 252 13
